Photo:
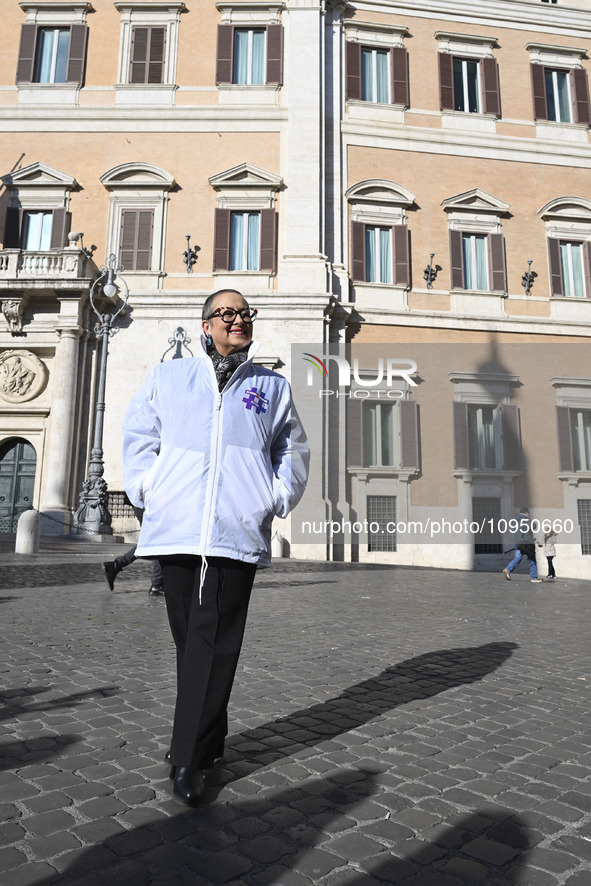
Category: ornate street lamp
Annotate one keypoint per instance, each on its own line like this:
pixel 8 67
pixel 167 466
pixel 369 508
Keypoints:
pixel 190 255
pixel 527 281
pixel 430 272
pixel 93 515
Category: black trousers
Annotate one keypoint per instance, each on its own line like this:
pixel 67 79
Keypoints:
pixel 551 572
pixel 208 638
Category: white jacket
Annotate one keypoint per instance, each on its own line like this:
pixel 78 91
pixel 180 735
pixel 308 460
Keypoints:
pixel 212 469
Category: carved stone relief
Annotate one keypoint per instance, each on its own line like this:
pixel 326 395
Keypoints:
pixel 13 310
pixel 22 376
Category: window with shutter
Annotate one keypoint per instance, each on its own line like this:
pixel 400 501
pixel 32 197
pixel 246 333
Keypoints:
pixel 481 437
pixel 54 54
pixel 135 243
pixel 148 51
pixel 560 95
pixel 36 230
pixel 354 433
pixel 570 267
pixel 511 432
pixel 460 423
pixel 148 46
pixel 245 240
pixel 478 261
pixel 470 85
pixel 409 434
pixel 353 76
pixel 486 436
pixel 382 434
pixel 565 449
pixel 380 254
pixel 221 246
pixel 249 56
pixel 268 240
pixel 377 74
pixel 12 228
pixel 580 428
pixel 378 434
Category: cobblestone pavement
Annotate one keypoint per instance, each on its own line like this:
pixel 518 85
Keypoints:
pixel 388 724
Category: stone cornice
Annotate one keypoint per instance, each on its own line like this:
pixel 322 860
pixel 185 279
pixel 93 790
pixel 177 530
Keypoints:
pixel 518 14
pixel 149 5
pixel 57 5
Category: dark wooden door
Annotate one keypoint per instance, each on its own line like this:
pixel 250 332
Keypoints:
pixel 17 481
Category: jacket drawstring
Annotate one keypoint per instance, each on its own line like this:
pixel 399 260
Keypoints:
pixel 204 565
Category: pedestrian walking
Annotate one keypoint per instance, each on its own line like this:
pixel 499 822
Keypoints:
pixel 112 568
pixel 213 450
pixel 550 552
pixel 525 546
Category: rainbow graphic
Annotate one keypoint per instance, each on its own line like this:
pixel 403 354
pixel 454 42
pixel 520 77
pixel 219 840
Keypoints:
pixel 316 362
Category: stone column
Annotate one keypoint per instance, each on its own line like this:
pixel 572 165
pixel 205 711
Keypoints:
pixel 56 504
pixel 303 266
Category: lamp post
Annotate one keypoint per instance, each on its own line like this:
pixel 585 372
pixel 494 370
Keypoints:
pixel 430 272
pixel 92 516
pixel 527 281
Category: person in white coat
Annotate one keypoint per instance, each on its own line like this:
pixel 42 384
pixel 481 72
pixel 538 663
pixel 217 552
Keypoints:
pixel 213 450
pixel 550 552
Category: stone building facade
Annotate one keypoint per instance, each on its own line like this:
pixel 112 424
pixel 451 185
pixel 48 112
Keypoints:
pixel 377 178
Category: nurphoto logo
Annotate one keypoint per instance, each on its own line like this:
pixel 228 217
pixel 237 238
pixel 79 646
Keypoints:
pixel 389 371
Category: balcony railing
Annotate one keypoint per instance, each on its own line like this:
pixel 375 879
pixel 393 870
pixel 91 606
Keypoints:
pixel 59 264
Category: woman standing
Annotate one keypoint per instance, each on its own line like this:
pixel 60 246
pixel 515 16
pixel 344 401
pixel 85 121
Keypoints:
pixel 213 450
pixel 550 552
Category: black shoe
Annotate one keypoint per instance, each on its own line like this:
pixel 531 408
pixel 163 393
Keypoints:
pixel 188 785
pixel 156 591
pixel 110 573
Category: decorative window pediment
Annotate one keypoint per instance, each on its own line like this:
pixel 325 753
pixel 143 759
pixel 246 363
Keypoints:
pixel 380 191
pixel 137 175
pixel 54 12
pixel 576 209
pixel 246 185
pixel 556 56
pixel 471 45
pixel 250 13
pixel 475 200
pixel 245 174
pixel 39 175
pixel 379 200
pixel 378 33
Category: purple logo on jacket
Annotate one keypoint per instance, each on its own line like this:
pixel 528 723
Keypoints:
pixel 257 399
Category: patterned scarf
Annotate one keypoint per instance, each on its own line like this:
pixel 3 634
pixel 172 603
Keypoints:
pixel 225 366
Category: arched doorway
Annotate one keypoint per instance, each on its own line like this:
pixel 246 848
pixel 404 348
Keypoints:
pixel 18 461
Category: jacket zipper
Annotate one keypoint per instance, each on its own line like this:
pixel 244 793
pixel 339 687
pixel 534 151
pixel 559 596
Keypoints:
pixel 217 441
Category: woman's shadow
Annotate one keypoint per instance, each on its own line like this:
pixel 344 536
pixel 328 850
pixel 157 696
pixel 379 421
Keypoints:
pixel 412 680
pixel 265 838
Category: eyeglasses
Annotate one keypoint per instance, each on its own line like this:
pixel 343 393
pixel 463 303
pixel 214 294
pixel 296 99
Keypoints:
pixel 228 315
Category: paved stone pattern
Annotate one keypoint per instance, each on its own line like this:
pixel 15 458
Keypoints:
pixel 388 725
